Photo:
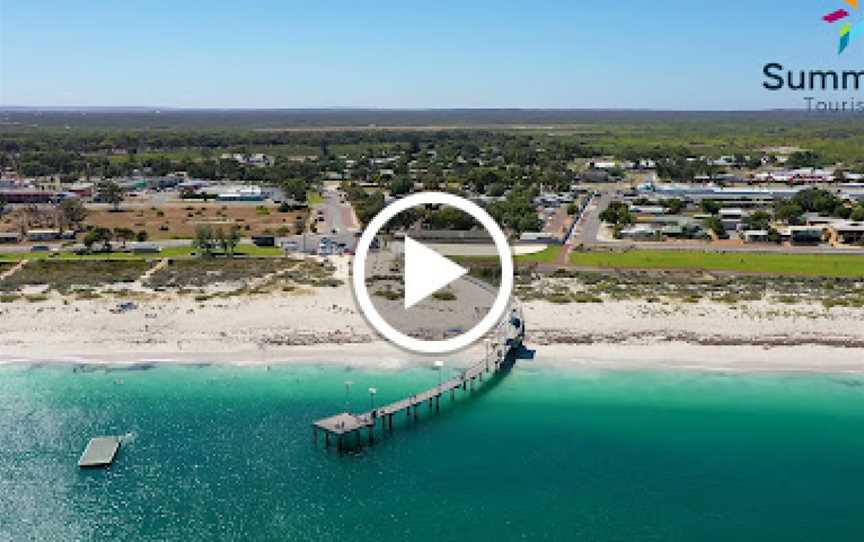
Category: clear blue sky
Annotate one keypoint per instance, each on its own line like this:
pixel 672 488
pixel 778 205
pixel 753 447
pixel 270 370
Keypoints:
pixel 661 54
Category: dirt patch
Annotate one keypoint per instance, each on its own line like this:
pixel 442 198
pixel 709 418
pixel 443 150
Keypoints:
pixel 180 220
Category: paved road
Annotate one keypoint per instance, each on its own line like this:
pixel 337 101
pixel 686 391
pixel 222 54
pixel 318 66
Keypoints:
pixel 557 223
pixel 587 228
pixel 338 216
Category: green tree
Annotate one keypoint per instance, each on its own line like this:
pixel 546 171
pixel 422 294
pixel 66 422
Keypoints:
pixel 788 211
pixel 760 220
pixel 842 211
pixel 450 218
pixel 774 236
pixel 99 235
pixel 715 225
pixel 674 205
pixel 805 159
pixel 857 214
pixel 481 178
pixel 366 205
pixel 401 186
pixel 141 236
pixel 204 240
pixel 430 182
pixel 124 235
pixel 228 240
pixel 816 200
pixel 710 206
pixel 618 213
pixel 111 192
pixel 296 189
pixel 73 212
pixel 517 212
pixel 403 220
pixel 553 180
pixel 496 190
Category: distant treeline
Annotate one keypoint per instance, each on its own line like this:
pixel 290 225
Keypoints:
pixel 17 139
pixel 162 119
pixel 114 143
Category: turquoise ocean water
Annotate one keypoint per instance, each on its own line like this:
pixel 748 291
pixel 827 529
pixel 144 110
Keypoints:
pixel 223 452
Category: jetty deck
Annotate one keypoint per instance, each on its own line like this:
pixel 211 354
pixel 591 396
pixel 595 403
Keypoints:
pixel 508 338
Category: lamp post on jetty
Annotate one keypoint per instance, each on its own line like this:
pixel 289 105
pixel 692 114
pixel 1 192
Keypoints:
pixel 372 392
pixel 348 384
pixel 439 365
pixel 487 344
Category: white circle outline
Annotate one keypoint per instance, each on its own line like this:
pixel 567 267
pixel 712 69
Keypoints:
pixel 452 344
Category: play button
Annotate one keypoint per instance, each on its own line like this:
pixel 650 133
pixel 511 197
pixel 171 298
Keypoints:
pixel 408 285
pixel 426 272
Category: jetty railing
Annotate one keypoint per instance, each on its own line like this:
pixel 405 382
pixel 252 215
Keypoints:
pixel 507 340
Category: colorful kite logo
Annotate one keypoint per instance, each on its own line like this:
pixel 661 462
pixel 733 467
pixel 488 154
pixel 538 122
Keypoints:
pixel 848 28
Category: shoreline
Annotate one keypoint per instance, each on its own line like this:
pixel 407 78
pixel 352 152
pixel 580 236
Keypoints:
pixel 381 356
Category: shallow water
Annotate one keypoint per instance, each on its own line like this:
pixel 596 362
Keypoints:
pixel 226 452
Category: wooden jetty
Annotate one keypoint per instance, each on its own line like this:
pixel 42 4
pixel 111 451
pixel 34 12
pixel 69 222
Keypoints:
pixel 100 452
pixel 508 340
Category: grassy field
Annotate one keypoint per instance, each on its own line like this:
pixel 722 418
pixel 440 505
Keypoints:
pixel 548 255
pixel 778 264
pixel 69 256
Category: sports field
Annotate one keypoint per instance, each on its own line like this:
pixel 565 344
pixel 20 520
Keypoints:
pixel 829 265
pixel 547 255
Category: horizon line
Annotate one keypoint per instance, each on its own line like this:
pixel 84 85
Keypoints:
pixel 153 108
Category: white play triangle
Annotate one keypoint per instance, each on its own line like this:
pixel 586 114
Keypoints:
pixel 426 272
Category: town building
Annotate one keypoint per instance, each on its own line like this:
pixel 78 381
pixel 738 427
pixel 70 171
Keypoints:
pixel 9 238
pixel 239 193
pixel 755 236
pixel 28 196
pixel 640 232
pixel 846 232
pixel 43 235
pixel 806 235
pixel 256 159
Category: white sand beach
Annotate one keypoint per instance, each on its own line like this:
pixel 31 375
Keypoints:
pixel 323 325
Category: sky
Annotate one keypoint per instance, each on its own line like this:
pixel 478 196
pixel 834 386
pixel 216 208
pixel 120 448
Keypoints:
pixel 626 54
